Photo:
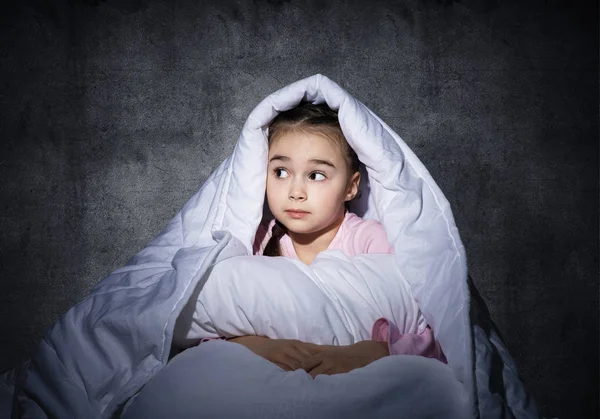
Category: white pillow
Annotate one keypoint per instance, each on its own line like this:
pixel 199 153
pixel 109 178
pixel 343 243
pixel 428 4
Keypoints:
pixel 335 300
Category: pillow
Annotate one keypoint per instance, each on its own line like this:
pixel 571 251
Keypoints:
pixel 335 300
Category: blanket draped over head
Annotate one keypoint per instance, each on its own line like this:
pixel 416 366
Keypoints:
pixel 107 347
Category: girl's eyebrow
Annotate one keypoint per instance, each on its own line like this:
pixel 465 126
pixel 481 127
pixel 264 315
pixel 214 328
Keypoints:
pixel 319 161
pixel 315 161
pixel 279 157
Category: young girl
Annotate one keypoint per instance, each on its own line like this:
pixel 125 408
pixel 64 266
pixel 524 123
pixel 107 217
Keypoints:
pixel 312 175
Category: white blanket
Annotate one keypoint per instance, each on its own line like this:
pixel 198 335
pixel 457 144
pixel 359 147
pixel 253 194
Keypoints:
pixel 242 385
pixel 335 300
pixel 105 349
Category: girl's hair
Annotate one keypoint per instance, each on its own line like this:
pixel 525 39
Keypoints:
pixel 310 119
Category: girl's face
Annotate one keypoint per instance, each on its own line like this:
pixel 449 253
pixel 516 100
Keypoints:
pixel 308 182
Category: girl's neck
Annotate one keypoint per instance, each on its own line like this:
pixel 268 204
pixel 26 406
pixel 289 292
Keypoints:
pixel 313 243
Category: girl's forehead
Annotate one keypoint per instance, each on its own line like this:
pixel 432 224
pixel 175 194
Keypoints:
pixel 303 146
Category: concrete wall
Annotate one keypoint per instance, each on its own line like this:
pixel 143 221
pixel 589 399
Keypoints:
pixel 113 113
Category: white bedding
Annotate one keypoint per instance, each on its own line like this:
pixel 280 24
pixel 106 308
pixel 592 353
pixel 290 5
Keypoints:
pixel 225 380
pixel 335 300
pixel 116 342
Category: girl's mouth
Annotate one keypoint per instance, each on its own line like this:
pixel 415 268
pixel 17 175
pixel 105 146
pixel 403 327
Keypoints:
pixel 297 214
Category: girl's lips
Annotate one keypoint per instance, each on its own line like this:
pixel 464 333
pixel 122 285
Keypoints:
pixel 297 214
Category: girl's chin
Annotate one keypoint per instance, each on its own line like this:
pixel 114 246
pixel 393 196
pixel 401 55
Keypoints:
pixel 304 230
pixel 294 228
pixel 299 227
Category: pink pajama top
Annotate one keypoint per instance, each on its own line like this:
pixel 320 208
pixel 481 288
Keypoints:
pixel 357 236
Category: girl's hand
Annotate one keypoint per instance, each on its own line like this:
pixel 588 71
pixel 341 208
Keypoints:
pixel 288 354
pixel 342 359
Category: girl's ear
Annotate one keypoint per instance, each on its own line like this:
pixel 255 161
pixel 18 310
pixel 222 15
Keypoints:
pixel 353 186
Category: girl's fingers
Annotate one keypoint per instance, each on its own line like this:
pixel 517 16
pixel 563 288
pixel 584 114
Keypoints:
pixel 282 366
pixel 301 355
pixel 293 353
pixel 305 351
pixel 291 361
pixel 313 349
pixel 320 369
pixel 311 363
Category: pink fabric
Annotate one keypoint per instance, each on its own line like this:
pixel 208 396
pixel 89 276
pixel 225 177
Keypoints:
pixel 422 344
pixel 357 236
pixel 354 237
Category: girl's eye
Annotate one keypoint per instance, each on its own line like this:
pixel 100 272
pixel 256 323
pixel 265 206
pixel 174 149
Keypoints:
pixel 317 176
pixel 280 173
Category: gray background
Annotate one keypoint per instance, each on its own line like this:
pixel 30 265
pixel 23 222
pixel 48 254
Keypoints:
pixel 115 112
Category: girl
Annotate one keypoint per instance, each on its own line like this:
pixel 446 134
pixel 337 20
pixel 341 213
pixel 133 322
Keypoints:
pixel 313 174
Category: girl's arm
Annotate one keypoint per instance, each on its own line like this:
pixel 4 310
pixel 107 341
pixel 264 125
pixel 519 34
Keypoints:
pixel 385 334
pixel 313 347
pixel 243 339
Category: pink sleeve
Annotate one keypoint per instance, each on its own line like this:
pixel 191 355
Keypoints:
pixel 371 238
pixel 422 344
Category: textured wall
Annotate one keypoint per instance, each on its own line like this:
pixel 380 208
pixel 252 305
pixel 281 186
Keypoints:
pixel 114 112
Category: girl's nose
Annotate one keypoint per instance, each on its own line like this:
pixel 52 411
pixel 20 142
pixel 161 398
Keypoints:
pixel 297 192
pixel 297 197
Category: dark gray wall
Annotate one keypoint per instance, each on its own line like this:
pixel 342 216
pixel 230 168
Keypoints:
pixel 115 112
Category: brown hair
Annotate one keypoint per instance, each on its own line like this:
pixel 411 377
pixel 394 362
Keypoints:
pixel 312 119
